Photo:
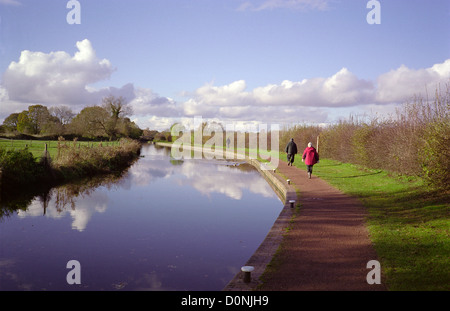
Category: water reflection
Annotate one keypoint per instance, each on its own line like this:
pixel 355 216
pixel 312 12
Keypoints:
pixel 206 176
pixel 81 201
pixel 61 202
pixel 162 225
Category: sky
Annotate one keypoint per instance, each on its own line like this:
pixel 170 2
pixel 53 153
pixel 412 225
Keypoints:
pixel 263 61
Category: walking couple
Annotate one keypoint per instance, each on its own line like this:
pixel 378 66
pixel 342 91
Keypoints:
pixel 310 155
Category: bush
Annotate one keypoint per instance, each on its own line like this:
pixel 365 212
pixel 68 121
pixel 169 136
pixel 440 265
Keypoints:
pixel 336 142
pixel 73 160
pixel 360 145
pixel 435 155
pixel 302 134
pixel 19 168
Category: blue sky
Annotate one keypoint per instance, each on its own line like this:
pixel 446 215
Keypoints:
pixel 273 61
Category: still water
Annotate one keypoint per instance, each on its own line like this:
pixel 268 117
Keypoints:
pixel 163 225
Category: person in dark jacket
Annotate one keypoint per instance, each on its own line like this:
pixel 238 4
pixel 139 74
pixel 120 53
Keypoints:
pixel 310 157
pixel 291 150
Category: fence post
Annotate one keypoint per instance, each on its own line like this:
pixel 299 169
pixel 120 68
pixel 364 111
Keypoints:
pixel 317 145
pixel 46 157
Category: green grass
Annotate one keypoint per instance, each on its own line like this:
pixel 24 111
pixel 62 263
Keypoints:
pixel 37 147
pixel 409 223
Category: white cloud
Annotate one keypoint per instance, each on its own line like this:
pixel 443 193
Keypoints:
pixel 341 89
pixel 286 4
pixel 401 84
pixel 146 102
pixel 10 2
pixel 288 101
pixel 315 99
pixel 56 77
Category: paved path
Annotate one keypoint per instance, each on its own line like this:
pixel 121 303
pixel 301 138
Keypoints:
pixel 328 246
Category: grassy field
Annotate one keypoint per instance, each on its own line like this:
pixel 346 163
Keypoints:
pixel 23 164
pixel 409 223
pixel 37 147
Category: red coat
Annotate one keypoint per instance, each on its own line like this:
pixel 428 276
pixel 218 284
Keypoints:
pixel 310 156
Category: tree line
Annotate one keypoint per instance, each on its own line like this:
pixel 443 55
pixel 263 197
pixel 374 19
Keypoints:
pixel 109 120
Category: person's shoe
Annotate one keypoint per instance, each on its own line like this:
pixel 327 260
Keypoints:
pixel 309 175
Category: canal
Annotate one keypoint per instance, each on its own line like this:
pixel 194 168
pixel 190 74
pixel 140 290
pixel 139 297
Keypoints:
pixel 162 225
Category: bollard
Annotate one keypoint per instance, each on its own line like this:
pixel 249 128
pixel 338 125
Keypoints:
pixel 292 202
pixel 289 181
pixel 247 273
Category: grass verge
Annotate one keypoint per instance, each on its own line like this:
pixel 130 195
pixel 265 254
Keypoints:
pixel 409 223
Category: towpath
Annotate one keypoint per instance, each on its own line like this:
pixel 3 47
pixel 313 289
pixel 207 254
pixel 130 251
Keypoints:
pixel 328 246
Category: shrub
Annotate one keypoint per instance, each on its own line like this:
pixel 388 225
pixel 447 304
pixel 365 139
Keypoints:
pixel 336 141
pixel 19 167
pixel 302 134
pixel 360 143
pixel 435 155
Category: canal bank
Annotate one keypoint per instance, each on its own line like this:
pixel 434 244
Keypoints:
pixel 69 161
pixel 266 251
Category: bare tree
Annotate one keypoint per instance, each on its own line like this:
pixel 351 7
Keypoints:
pixel 63 113
pixel 117 107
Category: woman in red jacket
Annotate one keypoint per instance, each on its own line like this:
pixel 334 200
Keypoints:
pixel 310 157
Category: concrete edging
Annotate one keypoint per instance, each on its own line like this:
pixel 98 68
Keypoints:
pixel 267 249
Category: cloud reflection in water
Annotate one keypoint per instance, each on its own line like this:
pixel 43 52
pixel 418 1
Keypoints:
pixel 81 202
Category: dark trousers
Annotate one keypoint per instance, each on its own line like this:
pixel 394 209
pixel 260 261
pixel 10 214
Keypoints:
pixel 309 168
pixel 290 157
